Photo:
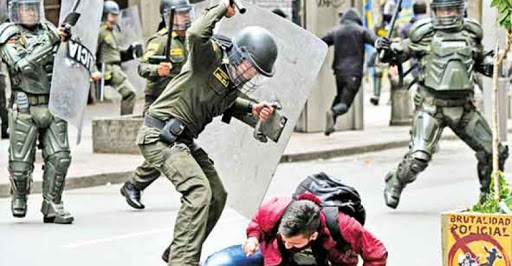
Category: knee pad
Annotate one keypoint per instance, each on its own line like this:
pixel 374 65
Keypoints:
pixel 419 161
pixel 412 165
pixel 59 162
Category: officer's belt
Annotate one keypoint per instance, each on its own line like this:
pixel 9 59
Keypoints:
pixel 153 122
pixel 446 103
pixel 35 99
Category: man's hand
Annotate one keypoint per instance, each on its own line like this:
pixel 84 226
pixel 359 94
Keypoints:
pixel 64 34
pixel 250 246
pixel 231 8
pixel 262 111
pixel 164 69
pixel 383 44
pixel 96 76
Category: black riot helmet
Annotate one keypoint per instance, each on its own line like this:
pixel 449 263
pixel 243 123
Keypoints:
pixel 179 5
pixel 22 11
pixel 110 7
pixel 183 13
pixel 448 14
pixel 254 53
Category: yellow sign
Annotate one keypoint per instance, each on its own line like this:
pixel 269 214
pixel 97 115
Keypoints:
pixel 477 239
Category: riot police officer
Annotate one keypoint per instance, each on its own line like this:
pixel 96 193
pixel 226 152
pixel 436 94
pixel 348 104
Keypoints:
pixel 158 74
pixel 449 52
pixel 27 47
pixel 213 81
pixel 110 54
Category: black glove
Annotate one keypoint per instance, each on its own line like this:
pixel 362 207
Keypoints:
pixel 383 43
pixel 383 47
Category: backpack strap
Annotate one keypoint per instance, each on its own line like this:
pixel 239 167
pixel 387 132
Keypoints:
pixel 331 219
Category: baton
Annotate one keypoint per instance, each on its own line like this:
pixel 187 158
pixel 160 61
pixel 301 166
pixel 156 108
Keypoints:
pixel 238 4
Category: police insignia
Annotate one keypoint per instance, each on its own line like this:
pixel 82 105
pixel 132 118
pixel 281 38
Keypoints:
pixel 221 76
pixel 177 52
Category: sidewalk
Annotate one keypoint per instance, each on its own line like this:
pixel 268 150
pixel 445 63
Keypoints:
pixel 89 169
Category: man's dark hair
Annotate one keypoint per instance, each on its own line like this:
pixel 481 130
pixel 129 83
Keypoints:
pixel 419 7
pixel 300 218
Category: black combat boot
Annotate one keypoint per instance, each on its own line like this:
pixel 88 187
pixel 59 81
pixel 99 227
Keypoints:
pixel 132 195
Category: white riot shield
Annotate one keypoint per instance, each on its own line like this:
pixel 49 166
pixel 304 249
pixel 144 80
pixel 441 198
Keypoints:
pixel 74 63
pixel 246 165
pixel 131 33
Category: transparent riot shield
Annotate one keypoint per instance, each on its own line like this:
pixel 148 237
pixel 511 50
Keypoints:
pixel 246 165
pixel 131 34
pixel 74 62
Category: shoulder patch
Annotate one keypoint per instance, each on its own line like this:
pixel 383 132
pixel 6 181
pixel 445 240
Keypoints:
pixel 221 76
pixel 162 32
pixel 420 29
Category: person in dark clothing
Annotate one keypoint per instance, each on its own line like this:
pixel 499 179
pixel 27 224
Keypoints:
pixel 420 12
pixel 348 39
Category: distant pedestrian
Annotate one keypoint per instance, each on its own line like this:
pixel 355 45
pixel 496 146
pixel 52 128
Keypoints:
pixel 348 39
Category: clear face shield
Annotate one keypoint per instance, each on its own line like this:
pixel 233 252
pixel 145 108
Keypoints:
pixel 28 13
pixel 183 18
pixel 243 71
pixel 448 16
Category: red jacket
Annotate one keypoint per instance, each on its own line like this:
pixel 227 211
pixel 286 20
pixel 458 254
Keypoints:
pixel 266 220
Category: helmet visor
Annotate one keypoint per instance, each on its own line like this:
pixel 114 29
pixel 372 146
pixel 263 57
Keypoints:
pixel 243 72
pixel 183 18
pixel 27 13
pixel 448 11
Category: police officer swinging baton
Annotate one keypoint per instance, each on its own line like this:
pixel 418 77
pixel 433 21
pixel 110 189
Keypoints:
pixel 390 34
pixel 71 18
pixel 157 59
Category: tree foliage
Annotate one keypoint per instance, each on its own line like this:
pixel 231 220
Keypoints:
pixel 504 12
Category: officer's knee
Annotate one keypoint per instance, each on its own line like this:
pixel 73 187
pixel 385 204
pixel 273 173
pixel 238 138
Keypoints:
pixel 59 161
pixel 199 194
pixel 419 161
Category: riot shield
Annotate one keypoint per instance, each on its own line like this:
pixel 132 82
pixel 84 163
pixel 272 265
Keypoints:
pixel 245 164
pixel 74 62
pixel 131 33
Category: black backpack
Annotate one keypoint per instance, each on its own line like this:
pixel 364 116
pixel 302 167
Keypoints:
pixel 336 197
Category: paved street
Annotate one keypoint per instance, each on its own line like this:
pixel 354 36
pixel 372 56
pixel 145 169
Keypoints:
pixel 108 232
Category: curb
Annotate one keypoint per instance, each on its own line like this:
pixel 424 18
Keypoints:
pixel 76 182
pixel 120 177
pixel 328 154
